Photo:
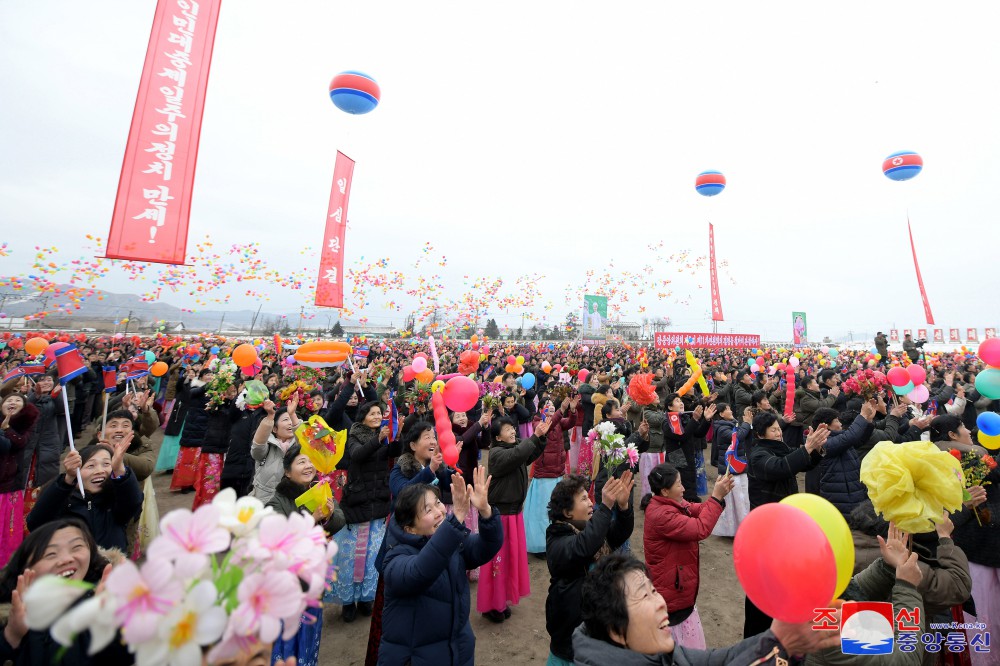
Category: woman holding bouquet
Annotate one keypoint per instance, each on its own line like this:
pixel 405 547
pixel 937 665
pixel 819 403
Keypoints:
pixel 546 474
pixel 505 579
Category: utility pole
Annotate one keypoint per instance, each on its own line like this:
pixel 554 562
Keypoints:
pixel 128 320
pixel 45 304
pixel 220 323
pixel 253 322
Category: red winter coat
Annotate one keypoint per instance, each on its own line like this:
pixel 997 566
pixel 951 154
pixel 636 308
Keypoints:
pixel 552 463
pixel 670 538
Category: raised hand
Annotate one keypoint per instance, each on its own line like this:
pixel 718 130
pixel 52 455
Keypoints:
pixel 72 462
pixel 710 412
pixel 910 571
pixel 978 497
pixel 723 486
pixel 894 551
pixel 609 494
pixel 17 622
pixel 269 408
pixel 625 486
pixel 945 527
pixel 542 429
pixel 480 492
pixel 817 438
pixel 118 459
pixel 437 459
pixel 459 497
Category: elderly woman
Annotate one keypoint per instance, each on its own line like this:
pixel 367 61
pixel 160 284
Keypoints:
pixel 626 623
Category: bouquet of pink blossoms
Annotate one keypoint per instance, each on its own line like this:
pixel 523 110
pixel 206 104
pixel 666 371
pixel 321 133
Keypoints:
pixel 229 574
pixel 866 383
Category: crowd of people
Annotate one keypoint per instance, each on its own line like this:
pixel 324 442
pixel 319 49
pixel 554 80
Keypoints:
pixel 413 532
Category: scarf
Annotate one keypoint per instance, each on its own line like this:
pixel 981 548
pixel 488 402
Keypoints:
pixel 579 526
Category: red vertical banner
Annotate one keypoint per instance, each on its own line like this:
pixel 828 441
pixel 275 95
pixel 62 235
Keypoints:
pixel 153 205
pixel 716 301
pixel 922 333
pixel 920 280
pixel 330 283
pixel 954 335
pixel 893 335
pixel 990 333
pixel 972 334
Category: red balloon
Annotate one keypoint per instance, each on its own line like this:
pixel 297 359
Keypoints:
pixel 445 436
pixel 511 360
pixel 461 394
pixel 409 373
pixel 917 374
pixel 898 376
pixel 784 562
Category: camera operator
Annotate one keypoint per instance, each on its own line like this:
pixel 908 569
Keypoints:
pixel 913 348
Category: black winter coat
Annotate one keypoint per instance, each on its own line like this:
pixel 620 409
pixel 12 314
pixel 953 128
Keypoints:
pixel 366 495
pixel 773 468
pixel 570 554
pixel 218 423
pixel 508 465
pixel 239 464
pixel 47 441
pixel 840 469
pixel 107 513
pixel 196 422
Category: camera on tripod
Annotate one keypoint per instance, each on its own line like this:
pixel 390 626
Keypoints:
pixel 920 343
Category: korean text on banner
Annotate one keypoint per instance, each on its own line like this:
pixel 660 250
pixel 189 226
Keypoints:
pixel 330 283
pixel 954 335
pixel 716 299
pixel 153 205
pixel 705 340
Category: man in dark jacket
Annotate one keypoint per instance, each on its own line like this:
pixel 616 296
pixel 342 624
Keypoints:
pixel 838 477
pixel 774 465
pixel 743 391
pixel 882 346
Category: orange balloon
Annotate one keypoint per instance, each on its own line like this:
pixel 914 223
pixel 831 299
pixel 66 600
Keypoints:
pixel 244 355
pixel 159 369
pixel 36 346
pixel 426 377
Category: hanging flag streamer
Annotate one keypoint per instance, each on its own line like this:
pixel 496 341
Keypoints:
pixel 920 280
pixel 716 299
pixel 330 284
pixel 153 205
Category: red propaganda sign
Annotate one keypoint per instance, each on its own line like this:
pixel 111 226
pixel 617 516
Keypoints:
pixel 906 332
pixel 893 335
pixel 938 335
pixel 704 340
pixel 954 335
pixel 972 334
pixel 716 299
pixel 990 333
pixel 922 333
pixel 153 205
pixel 330 282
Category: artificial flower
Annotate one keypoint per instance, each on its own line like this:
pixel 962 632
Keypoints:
pixel 49 597
pixel 239 515
pixel 266 601
pixel 187 539
pixel 195 622
pixel 146 595
pixel 93 615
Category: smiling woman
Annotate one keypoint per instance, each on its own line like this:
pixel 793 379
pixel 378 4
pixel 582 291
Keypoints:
pixel 426 556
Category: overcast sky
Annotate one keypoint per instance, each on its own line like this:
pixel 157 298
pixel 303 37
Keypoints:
pixel 551 138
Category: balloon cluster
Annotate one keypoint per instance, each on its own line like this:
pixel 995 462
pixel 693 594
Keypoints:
pixel 418 370
pixel 909 381
pixel 641 389
pixel 817 559
pixel 988 385
pixel 246 359
pixel 515 364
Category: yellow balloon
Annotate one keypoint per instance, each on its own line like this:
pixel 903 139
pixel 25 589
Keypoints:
pixel 437 386
pixel 991 442
pixel 832 522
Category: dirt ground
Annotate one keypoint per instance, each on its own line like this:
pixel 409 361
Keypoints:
pixel 522 639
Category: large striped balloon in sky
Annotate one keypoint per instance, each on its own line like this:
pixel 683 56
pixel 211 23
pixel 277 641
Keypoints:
pixel 710 183
pixel 903 165
pixel 354 92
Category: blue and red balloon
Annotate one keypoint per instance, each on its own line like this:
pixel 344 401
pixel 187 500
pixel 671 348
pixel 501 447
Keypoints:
pixel 709 183
pixel 903 165
pixel 354 92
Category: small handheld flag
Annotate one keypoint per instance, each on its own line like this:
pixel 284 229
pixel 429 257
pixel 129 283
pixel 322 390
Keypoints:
pixel 736 464
pixel 13 375
pixel 110 374
pixel 70 365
